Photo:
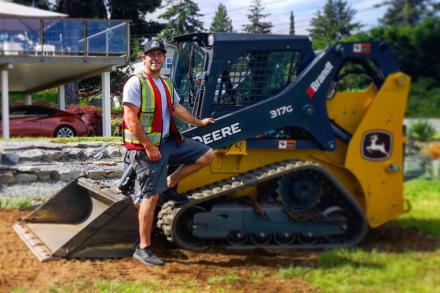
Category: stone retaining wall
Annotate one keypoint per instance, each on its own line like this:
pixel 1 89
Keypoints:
pixel 26 162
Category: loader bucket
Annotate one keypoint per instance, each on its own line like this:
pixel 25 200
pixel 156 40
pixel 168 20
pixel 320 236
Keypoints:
pixel 83 220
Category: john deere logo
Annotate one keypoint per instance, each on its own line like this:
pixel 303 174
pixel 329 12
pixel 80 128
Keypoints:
pixel 376 145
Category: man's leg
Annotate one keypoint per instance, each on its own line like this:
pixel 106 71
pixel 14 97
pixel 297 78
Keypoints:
pixel 185 170
pixel 146 215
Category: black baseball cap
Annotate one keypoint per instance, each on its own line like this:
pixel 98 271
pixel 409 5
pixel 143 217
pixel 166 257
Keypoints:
pixel 154 44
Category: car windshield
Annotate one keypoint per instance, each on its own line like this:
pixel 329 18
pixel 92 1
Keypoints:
pixel 190 64
pixel 24 111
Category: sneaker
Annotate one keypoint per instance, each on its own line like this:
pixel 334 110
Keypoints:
pixel 146 256
pixel 171 194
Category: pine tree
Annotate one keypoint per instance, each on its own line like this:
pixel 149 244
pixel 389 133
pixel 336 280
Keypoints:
pixel 292 24
pixel 181 18
pixel 256 17
pixel 221 21
pixel 333 23
pixel 82 8
pixel 407 12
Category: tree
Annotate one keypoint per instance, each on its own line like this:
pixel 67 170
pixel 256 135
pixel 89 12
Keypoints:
pixel 333 23
pixel 221 21
pixel 82 8
pixel 43 4
pixel 407 12
pixel 414 47
pixel 134 10
pixel 292 24
pixel 256 17
pixel 182 18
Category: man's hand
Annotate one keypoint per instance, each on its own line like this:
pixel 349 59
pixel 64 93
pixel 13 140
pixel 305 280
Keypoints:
pixel 206 121
pixel 181 113
pixel 153 152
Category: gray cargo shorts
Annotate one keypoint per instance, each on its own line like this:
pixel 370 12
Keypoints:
pixel 151 177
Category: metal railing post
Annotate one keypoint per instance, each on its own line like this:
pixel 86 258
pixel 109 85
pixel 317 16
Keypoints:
pixel 41 35
pixel 86 39
pixel 106 43
pixel 127 38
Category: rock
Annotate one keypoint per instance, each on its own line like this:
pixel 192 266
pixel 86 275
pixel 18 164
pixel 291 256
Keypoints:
pixel 91 144
pixel 69 175
pixel 53 155
pixel 74 153
pixel 105 163
pixel 54 175
pixel 28 169
pixel 117 174
pixel 97 175
pixel 10 158
pixel 26 178
pixel 100 154
pixel 114 151
pixel 7 177
pixel 44 176
pixel 89 153
pixel 32 155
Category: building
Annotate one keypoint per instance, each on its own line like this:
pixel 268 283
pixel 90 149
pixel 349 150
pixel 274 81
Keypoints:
pixel 41 49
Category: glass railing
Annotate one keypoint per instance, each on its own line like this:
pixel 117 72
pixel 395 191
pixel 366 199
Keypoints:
pixel 84 37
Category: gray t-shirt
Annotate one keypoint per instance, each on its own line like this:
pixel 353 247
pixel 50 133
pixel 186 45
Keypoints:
pixel 132 94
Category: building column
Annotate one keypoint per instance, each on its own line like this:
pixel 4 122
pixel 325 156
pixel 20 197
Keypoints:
pixel 28 99
pixel 5 104
pixel 106 105
pixel 62 97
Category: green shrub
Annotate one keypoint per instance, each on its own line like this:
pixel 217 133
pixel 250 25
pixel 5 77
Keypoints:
pixel 117 110
pixel 424 98
pixel 116 126
pixel 421 130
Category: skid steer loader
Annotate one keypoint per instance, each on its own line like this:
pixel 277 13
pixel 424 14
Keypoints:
pixel 309 153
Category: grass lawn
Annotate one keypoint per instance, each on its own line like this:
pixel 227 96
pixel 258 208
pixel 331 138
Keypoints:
pixel 66 139
pixel 360 270
pixel 47 97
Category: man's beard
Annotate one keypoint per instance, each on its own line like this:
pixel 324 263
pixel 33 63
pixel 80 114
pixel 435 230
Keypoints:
pixel 151 69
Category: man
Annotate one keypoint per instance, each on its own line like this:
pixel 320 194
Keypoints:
pixel 153 141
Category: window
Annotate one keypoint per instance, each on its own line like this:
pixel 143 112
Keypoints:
pixel 23 111
pixel 169 62
pixel 253 77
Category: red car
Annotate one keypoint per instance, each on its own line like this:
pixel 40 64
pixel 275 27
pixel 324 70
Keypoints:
pixel 44 121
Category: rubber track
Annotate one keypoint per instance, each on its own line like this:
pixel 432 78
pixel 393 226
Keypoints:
pixel 170 211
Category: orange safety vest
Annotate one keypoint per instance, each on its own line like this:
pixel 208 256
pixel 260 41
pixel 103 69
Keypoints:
pixel 150 113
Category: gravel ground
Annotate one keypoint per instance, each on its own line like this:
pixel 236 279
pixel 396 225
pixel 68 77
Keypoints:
pixel 37 189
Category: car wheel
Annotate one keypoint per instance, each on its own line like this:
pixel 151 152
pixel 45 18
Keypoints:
pixel 65 131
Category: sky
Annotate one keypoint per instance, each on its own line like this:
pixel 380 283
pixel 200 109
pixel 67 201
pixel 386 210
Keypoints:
pixel 279 11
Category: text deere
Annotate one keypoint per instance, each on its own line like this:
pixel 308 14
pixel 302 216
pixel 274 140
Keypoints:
pixel 219 133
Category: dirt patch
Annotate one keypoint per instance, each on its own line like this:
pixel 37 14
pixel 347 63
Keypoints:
pixel 256 270
pixel 394 238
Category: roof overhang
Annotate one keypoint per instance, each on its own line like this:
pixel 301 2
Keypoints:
pixel 9 9
pixel 35 73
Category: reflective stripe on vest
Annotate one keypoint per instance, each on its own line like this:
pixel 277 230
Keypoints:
pixel 130 138
pixel 147 112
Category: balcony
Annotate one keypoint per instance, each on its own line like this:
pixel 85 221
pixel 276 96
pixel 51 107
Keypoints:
pixel 60 50
pixel 41 53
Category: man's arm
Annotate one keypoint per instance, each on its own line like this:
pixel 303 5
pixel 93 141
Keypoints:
pixel 181 113
pixel 135 127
